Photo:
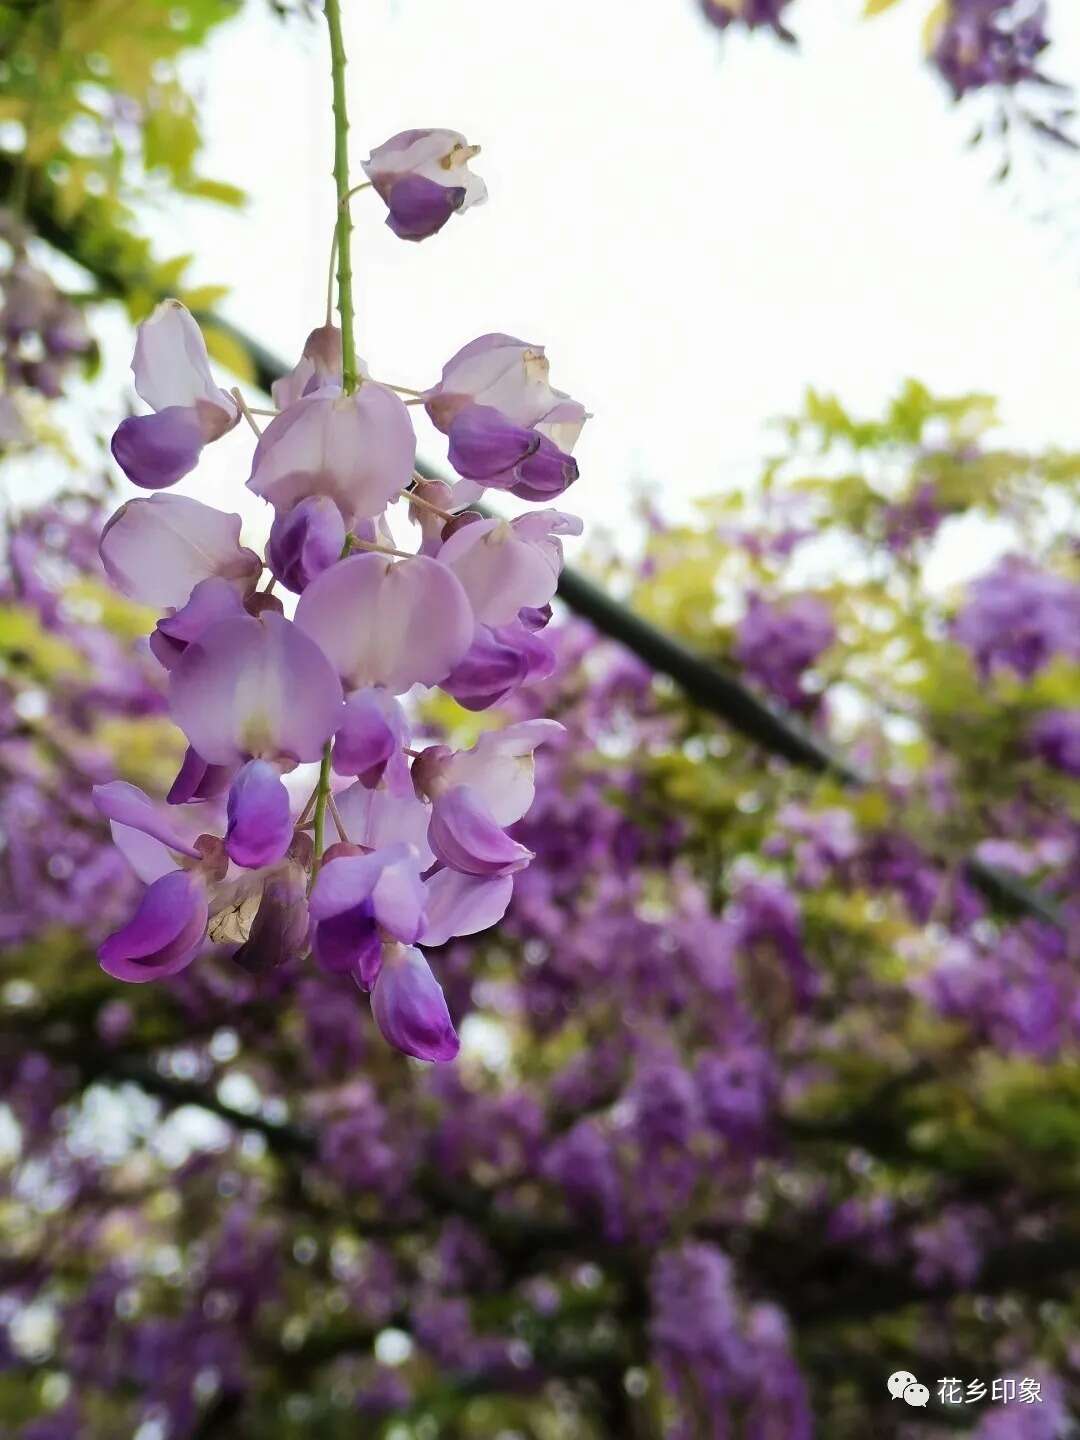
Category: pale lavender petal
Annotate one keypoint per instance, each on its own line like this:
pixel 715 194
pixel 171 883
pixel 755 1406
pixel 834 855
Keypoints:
pixel 398 896
pixel 155 451
pixel 210 601
pixel 305 541
pixel 458 904
pixel 499 571
pixel 260 826
pixel 346 879
pixel 485 444
pixel 465 835
pixel 563 423
pixel 255 689
pixel 499 767
pixel 128 805
pixel 359 450
pixel 416 620
pixel 156 550
pixel 508 374
pixel 379 818
pixel 410 1008
pixel 410 150
pixel 196 780
pixel 370 740
pixel 440 156
pixel 146 857
pixel 543 529
pixel 164 934
pixel 171 365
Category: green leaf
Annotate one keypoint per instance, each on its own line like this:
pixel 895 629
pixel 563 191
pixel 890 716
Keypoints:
pixel 220 191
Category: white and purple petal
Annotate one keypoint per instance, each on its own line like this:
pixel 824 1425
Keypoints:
pixel 501 371
pixel 499 571
pixel 416 620
pixel 358 449
pixel 255 688
pixel 171 365
pixel 465 835
pixel 378 818
pixel 127 805
pixel 157 549
pixel 459 904
pixel 499 768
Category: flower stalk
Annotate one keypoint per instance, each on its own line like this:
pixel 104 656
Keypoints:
pixel 343 235
pixel 341 180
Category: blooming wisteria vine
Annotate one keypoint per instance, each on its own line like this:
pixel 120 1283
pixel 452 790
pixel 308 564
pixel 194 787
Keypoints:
pixel 422 852
pixel 758 1100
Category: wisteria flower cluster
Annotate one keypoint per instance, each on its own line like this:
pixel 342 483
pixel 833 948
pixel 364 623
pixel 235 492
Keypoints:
pixel 43 333
pixel 991 42
pixel 262 683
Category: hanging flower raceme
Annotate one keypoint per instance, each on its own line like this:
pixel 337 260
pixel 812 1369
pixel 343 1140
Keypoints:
pixel 234 860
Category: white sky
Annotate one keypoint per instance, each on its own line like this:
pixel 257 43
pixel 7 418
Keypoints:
pixel 696 228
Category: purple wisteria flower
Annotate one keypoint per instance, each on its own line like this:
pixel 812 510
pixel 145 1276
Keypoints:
pixel 157 550
pixel 991 42
pixel 754 14
pixel 1019 617
pixel 424 178
pixel 1055 738
pixel 777 642
pixel 507 427
pixel 172 374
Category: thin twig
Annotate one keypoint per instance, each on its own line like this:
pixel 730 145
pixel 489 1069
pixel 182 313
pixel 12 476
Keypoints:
pixel 245 410
pixel 338 822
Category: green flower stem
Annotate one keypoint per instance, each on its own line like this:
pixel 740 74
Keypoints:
pixel 345 310
pixel 322 798
pixel 341 179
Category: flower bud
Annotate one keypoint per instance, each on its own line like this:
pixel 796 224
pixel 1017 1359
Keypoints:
pixel 305 541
